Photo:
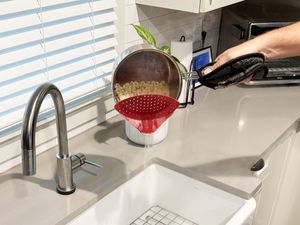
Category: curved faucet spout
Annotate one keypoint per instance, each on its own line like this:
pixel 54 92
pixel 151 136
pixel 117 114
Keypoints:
pixel 64 170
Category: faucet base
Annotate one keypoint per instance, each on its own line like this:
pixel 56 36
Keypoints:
pixel 65 192
pixel 65 184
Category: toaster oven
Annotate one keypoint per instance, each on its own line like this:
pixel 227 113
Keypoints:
pixel 242 22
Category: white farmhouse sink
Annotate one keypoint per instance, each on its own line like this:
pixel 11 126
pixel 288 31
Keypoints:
pixel 157 186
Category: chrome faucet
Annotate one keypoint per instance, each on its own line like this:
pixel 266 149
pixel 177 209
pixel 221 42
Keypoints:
pixel 65 184
pixel 66 162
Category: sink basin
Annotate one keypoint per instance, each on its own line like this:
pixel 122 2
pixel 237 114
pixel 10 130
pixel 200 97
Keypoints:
pixel 160 188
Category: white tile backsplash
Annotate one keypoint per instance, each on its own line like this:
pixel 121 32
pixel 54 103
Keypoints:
pixel 167 25
pixel 136 13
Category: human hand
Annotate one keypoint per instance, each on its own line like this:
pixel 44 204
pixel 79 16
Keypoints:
pixel 220 60
pixel 232 53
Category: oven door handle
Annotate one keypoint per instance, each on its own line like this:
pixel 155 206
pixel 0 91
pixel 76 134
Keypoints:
pixel 242 31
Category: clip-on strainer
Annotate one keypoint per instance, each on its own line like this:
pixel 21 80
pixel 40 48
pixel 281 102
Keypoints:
pixel 147 112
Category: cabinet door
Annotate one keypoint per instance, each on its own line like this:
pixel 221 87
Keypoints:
pixel 286 210
pixel 186 5
pixel 272 178
pixel 208 5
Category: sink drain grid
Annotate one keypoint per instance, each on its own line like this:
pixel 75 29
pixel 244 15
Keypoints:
pixel 157 215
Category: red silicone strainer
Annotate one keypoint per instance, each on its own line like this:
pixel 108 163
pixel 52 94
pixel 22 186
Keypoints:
pixel 147 112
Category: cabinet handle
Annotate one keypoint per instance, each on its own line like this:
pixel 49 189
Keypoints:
pixel 259 165
pixel 210 2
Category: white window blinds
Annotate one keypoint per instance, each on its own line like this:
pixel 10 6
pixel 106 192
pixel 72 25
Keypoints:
pixel 69 43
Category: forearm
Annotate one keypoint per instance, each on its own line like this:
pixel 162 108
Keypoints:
pixel 280 43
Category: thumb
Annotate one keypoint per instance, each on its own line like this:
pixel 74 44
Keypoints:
pixel 211 68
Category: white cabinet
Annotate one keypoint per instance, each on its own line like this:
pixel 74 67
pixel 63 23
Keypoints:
pixel 278 202
pixel 286 210
pixel 272 177
pixel 194 6
pixel 208 5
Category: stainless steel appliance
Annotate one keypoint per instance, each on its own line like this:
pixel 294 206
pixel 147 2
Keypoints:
pixel 245 21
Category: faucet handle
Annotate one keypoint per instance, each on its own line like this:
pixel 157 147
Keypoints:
pixel 93 164
pixel 79 159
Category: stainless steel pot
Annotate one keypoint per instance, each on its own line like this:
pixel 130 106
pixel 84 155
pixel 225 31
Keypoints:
pixel 145 63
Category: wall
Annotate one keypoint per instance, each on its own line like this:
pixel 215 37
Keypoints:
pixel 167 25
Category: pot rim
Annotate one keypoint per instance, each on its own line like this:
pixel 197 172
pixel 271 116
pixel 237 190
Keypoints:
pixel 136 49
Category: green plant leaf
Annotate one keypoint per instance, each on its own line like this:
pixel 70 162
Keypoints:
pixel 145 34
pixel 166 49
pixel 149 38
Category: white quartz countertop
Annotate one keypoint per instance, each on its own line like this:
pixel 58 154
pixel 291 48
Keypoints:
pixel 220 136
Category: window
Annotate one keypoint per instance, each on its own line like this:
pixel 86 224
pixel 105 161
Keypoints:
pixel 69 43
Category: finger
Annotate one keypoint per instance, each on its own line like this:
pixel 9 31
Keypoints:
pixel 211 68
pixel 207 70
